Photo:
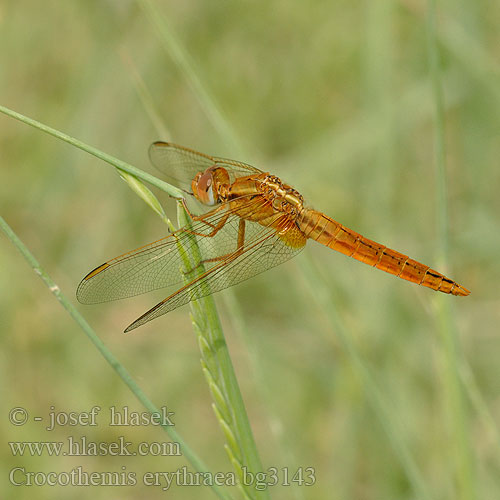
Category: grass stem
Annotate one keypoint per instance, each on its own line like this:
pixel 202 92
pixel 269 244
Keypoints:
pixel 461 447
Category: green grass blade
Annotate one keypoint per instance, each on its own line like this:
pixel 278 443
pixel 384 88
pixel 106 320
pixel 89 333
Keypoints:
pixel 456 409
pixel 144 193
pixel 122 372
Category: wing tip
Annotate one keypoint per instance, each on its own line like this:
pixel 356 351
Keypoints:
pixel 129 328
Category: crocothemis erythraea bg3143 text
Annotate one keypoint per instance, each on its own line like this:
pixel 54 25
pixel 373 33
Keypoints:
pixel 255 222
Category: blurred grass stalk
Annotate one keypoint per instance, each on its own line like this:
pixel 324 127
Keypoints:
pixel 216 361
pixel 461 451
pixel 183 60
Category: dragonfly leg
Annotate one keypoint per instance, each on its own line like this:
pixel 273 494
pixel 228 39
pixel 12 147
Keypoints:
pixel 186 208
pixel 239 246
pixel 216 229
pixel 201 218
pixel 232 255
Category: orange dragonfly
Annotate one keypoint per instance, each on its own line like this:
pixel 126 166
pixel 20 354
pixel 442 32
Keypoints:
pixel 256 222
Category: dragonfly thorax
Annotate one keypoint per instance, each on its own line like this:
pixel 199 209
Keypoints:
pixel 283 197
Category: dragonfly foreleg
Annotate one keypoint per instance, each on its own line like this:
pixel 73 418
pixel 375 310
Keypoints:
pixel 201 218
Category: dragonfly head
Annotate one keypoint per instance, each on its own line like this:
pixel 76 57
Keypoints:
pixel 203 186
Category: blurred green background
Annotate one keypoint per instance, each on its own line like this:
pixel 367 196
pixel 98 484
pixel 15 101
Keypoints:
pixel 335 98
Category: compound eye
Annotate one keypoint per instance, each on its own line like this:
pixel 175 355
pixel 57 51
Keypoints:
pixel 205 187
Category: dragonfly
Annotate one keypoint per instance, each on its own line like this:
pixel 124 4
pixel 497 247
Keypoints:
pixel 252 222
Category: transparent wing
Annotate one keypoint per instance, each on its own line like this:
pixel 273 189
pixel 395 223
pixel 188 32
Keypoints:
pixel 267 248
pixel 180 164
pixel 160 263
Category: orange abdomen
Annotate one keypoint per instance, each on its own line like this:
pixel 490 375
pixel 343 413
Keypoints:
pixel 332 234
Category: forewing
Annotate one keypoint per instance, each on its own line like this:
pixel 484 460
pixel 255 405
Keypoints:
pixel 180 164
pixel 264 249
pixel 161 263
